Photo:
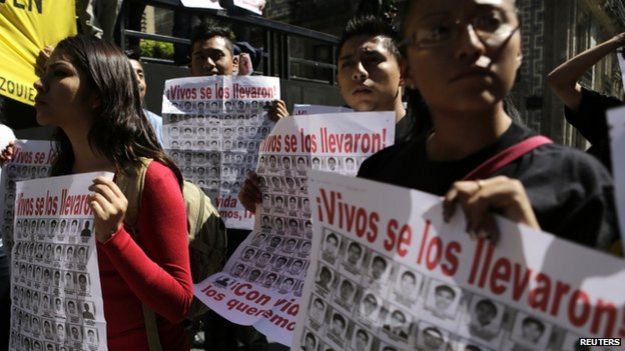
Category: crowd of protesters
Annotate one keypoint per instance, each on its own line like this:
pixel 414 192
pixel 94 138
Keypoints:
pixel 453 62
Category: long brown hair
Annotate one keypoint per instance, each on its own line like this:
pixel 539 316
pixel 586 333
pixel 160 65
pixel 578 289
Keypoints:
pixel 120 131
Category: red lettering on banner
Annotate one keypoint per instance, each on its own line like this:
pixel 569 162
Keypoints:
pixel 400 240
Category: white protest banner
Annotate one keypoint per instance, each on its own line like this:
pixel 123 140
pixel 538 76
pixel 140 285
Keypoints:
pixel 305 109
pixel 202 4
pixel 387 273
pixel 255 6
pixel 262 281
pixel 620 54
pixel 616 122
pixel 212 128
pixel 31 159
pixel 55 281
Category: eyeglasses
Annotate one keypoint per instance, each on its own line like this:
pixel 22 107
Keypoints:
pixel 492 26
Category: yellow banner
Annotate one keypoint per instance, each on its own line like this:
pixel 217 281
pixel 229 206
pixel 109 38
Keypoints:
pixel 26 26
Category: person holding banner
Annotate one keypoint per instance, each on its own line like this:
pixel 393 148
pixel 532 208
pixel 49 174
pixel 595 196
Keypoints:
pixel 369 79
pixel 462 56
pixel 90 93
pixel 585 109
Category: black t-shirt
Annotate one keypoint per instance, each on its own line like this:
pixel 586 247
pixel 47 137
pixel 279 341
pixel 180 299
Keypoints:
pixel 403 129
pixel 570 192
pixel 590 120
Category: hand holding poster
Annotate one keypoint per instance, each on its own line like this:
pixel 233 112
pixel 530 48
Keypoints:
pixel 55 285
pixel 387 273
pixel 26 27
pixel 262 281
pixel 31 159
pixel 212 129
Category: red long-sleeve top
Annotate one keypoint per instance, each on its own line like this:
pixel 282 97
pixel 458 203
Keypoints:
pixel 152 268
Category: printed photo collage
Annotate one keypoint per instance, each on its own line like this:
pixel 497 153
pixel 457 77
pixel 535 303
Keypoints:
pixel 216 145
pixel 362 300
pixel 276 255
pixel 13 173
pixel 51 290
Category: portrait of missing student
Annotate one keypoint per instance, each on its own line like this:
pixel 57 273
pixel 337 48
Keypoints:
pixel 309 341
pixel 529 333
pixel 317 311
pixel 344 297
pixel 337 328
pixel 269 279
pixel 368 308
pixel 442 300
pixel 484 319
pixel 397 324
pixel 361 340
pixel 286 285
pixel 324 279
pixel 432 338
pixel 378 270
pixel 248 253
pixel 353 257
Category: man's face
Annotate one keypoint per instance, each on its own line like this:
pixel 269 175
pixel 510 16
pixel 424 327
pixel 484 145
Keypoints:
pixel 254 275
pixel 346 291
pixel 211 57
pixel 368 74
pixel 407 282
pixel 138 68
pixel 484 313
pixel 377 268
pixel 337 326
pixel 264 259
pixel 532 332
pixel 310 343
pixel 353 254
pixel 442 299
pixel 369 304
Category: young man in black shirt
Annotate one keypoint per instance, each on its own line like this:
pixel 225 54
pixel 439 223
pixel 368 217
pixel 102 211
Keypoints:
pixel 369 79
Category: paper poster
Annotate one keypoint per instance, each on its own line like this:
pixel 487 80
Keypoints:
pixel 212 128
pixel 32 159
pixel 387 273
pixel 262 282
pixel 202 4
pixel 616 122
pixel 25 28
pixel 55 282
pixel 305 109
pixel 255 6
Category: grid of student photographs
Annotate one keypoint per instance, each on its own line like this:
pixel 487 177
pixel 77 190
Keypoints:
pixel 51 290
pixel 217 145
pixel 12 174
pixel 362 300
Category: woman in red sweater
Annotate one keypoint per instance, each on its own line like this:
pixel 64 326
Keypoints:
pixel 90 93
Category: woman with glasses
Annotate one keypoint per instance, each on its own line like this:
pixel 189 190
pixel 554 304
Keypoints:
pixel 462 57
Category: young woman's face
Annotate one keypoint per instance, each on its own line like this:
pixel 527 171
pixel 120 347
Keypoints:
pixel 463 54
pixel 62 93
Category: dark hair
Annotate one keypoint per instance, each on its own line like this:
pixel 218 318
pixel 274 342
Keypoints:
pixel 370 25
pixel 120 131
pixel 207 30
pixel 487 302
pixel 445 288
pixel 531 320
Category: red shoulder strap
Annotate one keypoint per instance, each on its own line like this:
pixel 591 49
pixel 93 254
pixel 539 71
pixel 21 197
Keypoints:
pixel 507 156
